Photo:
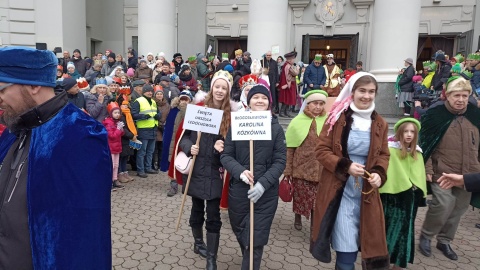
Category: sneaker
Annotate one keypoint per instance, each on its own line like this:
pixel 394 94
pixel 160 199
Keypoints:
pixel 152 172
pixel 122 178
pixel 142 175
pixel 117 185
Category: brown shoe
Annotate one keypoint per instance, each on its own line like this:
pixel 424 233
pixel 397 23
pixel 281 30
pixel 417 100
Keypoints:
pixel 122 178
pixel 127 176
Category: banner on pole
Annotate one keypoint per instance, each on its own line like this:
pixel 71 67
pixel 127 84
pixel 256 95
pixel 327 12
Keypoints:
pixel 252 125
pixel 203 119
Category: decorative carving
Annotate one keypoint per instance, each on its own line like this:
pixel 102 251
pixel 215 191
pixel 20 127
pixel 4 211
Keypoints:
pixel 362 9
pixel 298 7
pixel 131 21
pixel 329 10
pixel 467 13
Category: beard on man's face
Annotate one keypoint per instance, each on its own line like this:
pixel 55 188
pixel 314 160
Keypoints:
pixel 11 117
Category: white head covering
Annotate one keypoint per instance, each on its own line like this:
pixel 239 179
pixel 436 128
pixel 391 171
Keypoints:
pixel 344 99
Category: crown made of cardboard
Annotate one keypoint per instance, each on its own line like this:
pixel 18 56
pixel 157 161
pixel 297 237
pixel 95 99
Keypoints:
pixel 426 63
pixel 456 69
pixel 111 106
pixel 125 90
pixel 248 80
pixel 82 83
pixel 224 56
pixel 192 58
pixel 223 74
pixel 101 81
pixel 467 75
pixel 318 57
pixel 459 58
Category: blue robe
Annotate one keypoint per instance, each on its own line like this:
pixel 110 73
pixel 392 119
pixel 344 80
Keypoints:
pixel 68 192
pixel 168 133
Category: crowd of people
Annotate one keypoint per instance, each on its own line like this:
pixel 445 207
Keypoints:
pixel 359 186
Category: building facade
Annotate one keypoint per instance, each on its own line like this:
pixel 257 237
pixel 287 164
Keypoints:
pixel 380 33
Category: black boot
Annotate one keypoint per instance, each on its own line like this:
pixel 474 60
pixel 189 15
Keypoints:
pixel 212 250
pixel 199 246
pixel 282 111
pixel 257 258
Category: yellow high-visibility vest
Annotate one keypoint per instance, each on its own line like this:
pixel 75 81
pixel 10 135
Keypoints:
pixel 146 108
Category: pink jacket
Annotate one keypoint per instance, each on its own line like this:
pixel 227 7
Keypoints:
pixel 114 135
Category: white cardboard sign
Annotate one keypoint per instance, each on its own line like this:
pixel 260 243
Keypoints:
pixel 252 125
pixel 203 119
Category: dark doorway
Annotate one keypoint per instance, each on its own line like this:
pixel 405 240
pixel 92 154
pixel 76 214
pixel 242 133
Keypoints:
pixel 428 45
pixel 229 45
pixel 344 49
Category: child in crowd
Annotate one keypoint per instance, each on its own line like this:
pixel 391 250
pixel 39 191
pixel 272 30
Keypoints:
pixel 72 72
pixel 115 132
pixel 404 191
pixel 129 135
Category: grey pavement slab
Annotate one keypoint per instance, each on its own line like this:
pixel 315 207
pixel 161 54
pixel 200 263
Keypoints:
pixel 144 237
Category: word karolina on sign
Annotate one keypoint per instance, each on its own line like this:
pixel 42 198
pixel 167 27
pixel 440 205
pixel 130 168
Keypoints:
pixel 251 126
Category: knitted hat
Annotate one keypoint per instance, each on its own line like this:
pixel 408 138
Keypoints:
pixel 246 80
pixel 458 83
pixel 161 54
pixel 315 95
pixel 258 89
pixel 111 55
pixel 70 65
pixel 187 94
pixel 405 120
pixel 222 74
pixel 177 55
pixel 147 88
pixel 130 72
pixel 112 106
pixel 82 84
pixel 417 78
pixel 224 56
pixel 16 66
pixel 228 68
pixel 77 50
pixel 456 69
pixel 68 83
pixel 149 53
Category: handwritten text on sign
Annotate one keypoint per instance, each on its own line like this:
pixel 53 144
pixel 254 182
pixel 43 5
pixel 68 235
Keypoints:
pixel 203 119
pixel 252 125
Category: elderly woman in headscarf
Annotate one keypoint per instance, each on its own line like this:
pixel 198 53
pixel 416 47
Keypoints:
pixel 302 166
pixel 353 150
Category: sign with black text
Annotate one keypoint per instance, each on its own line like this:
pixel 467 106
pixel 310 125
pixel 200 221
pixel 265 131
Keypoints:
pixel 252 125
pixel 203 119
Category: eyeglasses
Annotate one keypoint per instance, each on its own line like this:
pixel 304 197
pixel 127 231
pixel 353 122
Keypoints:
pixel 5 86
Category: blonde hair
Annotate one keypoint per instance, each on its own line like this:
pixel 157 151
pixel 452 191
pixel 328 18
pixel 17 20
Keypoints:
pixel 94 89
pixel 404 149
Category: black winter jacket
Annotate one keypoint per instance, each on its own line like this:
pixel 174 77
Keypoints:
pixel 206 182
pixel 441 76
pixel 270 158
pixel 406 83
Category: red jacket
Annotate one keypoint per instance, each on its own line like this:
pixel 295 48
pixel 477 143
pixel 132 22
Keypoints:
pixel 114 135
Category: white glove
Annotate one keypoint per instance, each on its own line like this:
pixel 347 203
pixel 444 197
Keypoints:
pixel 120 125
pixel 244 178
pixel 256 192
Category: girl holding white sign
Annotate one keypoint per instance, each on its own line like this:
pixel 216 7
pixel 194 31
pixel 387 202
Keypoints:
pixel 206 182
pixel 269 163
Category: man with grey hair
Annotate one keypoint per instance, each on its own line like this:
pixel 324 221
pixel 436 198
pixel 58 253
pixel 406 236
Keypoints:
pixel 450 140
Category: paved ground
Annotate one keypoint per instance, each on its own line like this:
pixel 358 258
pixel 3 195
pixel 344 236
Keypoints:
pixel 144 237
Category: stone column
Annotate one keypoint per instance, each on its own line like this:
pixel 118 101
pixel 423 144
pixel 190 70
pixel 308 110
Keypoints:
pixel 156 33
pixel 395 29
pixel 267 26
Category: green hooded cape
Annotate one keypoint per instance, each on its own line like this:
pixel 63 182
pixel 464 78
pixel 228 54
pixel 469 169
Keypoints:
pixel 298 128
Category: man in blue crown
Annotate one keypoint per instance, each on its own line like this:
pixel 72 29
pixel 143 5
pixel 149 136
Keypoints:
pixel 54 194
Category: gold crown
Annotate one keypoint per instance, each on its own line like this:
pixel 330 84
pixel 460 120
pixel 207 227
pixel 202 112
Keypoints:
pixel 224 75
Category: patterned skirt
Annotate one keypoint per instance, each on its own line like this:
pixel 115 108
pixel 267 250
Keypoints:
pixel 400 212
pixel 304 193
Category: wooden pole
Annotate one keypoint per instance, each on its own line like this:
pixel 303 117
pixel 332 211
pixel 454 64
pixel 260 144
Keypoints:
pixel 188 182
pixel 251 208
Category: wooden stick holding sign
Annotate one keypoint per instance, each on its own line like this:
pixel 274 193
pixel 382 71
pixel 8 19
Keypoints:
pixel 188 182
pixel 200 119
pixel 251 126
pixel 251 207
